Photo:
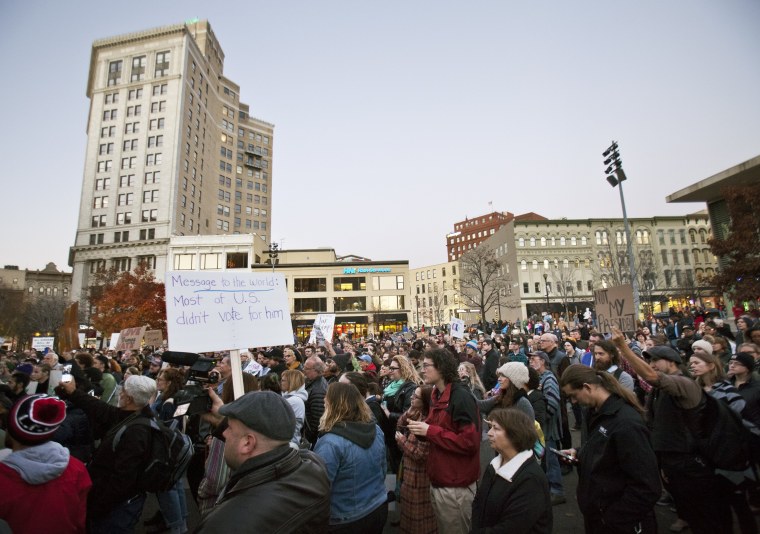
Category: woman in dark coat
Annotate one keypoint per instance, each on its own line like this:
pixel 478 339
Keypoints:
pixel 514 493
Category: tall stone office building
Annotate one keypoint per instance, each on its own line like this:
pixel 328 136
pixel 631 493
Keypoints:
pixel 171 150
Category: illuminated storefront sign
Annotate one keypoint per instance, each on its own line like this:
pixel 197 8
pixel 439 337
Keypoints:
pixel 354 270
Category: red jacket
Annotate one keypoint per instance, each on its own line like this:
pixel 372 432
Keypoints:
pixel 454 436
pixel 59 505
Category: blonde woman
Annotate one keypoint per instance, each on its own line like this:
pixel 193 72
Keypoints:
pixel 469 376
pixel 293 387
pixel 353 449
pixel 397 396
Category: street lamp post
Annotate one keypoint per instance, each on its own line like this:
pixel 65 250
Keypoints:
pixel 615 165
pixel 546 287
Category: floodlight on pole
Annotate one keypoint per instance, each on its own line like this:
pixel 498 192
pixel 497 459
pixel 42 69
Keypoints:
pixel 615 164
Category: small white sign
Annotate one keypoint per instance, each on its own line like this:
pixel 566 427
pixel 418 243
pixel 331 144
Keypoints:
pixel 113 341
pixel 42 343
pixel 457 328
pixel 322 329
pixel 210 311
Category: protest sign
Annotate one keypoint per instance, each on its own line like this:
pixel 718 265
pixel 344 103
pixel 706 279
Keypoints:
pixel 42 343
pixel 614 307
pixel 322 329
pixel 209 311
pixel 130 338
pixel 113 341
pixel 456 327
pixel 153 338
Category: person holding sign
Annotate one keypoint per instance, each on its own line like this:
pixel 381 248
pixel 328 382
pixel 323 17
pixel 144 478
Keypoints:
pixel 692 483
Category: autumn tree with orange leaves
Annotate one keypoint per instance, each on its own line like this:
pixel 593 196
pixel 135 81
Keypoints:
pixel 128 299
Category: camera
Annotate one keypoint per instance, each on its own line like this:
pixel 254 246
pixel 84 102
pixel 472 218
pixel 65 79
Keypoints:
pixel 193 398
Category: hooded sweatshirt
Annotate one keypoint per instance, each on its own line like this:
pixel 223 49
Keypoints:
pixel 46 474
pixel 297 400
pixel 354 455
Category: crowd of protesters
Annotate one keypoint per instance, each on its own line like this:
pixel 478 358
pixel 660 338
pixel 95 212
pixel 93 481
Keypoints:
pixel 477 431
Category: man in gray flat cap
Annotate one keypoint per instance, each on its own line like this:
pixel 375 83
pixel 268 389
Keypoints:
pixel 273 487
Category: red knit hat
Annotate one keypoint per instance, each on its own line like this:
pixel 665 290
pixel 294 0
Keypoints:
pixel 35 418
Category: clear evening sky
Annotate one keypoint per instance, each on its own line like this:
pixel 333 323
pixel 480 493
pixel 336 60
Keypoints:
pixel 395 119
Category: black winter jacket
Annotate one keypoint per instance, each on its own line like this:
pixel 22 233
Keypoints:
pixel 315 407
pixel 522 506
pixel 114 474
pixel 618 481
pixel 280 491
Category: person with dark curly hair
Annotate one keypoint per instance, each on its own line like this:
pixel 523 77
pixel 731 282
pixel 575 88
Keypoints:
pixel 453 430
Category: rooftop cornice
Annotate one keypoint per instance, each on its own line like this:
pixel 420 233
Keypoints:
pixel 137 36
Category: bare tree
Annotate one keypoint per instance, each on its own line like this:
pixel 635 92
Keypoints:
pixel 564 278
pixel 481 279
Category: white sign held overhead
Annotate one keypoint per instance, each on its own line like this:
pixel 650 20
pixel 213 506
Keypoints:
pixel 113 341
pixel 322 329
pixel 210 311
pixel 42 343
pixel 457 328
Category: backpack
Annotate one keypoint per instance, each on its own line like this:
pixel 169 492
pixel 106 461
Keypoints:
pixel 170 454
pixel 721 437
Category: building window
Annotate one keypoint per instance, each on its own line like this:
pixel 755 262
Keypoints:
pixel 153 177
pixel 383 283
pixel 114 73
pixel 126 199
pixel 535 265
pixel 307 285
pixel 148 261
pixel 122 264
pixel 124 218
pixel 347 303
pixel 150 196
pixel 102 183
pixel 97 221
pixel 147 233
pixel 523 265
pixel 100 202
pixel 537 287
pixel 183 262
pixel 211 261
pixel 162 64
pixel 532 241
pixel 149 216
pixel 526 288
pixel 310 305
pixel 138 69
pixel 388 302
pixel 121 237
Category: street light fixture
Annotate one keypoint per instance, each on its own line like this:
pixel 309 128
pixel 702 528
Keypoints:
pixel 546 287
pixel 272 252
pixel 616 177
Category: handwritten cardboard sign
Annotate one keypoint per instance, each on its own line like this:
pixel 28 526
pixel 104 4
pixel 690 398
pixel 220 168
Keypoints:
pixel 614 307
pixel 153 338
pixel 456 327
pixel 322 329
pixel 130 338
pixel 209 311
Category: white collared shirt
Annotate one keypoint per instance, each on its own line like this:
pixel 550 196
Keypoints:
pixel 508 470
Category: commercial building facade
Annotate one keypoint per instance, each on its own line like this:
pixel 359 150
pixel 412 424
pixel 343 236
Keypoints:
pixel 171 151
pixel 567 259
pixel 435 295
pixel 367 297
